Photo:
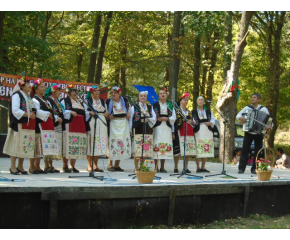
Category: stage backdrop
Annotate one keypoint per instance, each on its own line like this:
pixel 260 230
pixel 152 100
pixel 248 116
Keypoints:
pixel 7 83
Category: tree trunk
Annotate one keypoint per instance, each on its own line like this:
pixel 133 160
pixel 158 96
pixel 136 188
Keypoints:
pixel 3 67
pixel 175 53
pixel 102 49
pixel 213 60
pixel 94 48
pixel 123 52
pixel 227 100
pixel 80 61
pixel 205 67
pixel 168 37
pixel 196 67
pixel 228 43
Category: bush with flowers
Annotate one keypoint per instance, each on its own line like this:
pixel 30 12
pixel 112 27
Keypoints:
pixel 263 164
pixel 144 165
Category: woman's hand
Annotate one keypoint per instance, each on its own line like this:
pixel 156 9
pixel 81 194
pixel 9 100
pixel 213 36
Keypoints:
pixel 59 120
pixel 162 119
pixel 111 117
pixel 128 116
pixel 32 115
pixel 74 114
pixel 173 136
pixel 106 114
pixel 50 116
pixel 92 113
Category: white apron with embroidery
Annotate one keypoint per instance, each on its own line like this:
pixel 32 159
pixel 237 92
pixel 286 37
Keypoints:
pixel 120 140
pixel 163 142
pixel 204 139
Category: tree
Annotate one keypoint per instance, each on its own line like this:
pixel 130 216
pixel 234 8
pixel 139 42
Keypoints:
pixel 102 48
pixel 227 100
pixel 94 48
pixel 175 53
pixel 270 26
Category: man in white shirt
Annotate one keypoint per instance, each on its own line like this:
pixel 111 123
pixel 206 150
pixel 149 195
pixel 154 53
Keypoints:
pixel 284 161
pixel 250 136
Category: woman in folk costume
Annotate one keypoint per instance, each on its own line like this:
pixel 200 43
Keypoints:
pixel 162 138
pixel 179 133
pixel 119 133
pixel 138 123
pixel 98 128
pixel 20 141
pixel 45 141
pixel 204 123
pixel 76 128
pixel 52 94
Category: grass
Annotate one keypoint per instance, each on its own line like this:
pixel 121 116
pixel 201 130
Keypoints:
pixel 252 222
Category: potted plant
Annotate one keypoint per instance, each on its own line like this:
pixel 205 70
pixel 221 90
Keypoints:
pixel 264 170
pixel 145 174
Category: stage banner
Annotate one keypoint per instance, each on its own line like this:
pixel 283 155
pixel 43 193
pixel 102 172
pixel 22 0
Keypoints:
pixel 7 83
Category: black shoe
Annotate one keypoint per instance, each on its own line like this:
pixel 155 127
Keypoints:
pixel 253 171
pixel 41 171
pixel 98 170
pixel 118 169
pixel 22 172
pixel 14 173
pixel 204 170
pixel 33 171
pixel 187 171
pixel 111 169
pixel 48 170
pixel 66 170
pixel 55 170
pixel 163 170
pixel 198 170
pixel 74 170
pixel 241 171
pixel 175 170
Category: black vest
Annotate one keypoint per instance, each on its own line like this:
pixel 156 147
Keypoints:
pixel 179 119
pixel 156 108
pixel 138 116
pixel 68 106
pixel 57 112
pixel 23 106
pixel 198 121
pixel 44 107
pixel 112 112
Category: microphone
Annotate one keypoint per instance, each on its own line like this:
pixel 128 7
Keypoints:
pixel 129 96
pixel 208 101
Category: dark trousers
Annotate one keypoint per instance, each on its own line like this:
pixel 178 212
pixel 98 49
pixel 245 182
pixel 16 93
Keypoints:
pixel 248 139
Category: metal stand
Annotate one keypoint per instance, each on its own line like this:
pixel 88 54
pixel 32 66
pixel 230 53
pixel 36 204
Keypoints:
pixel 184 157
pixel 225 122
pixel 91 174
pixel 144 131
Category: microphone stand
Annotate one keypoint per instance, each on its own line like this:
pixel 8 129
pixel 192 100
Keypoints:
pixel 91 174
pixel 225 121
pixel 184 149
pixel 144 131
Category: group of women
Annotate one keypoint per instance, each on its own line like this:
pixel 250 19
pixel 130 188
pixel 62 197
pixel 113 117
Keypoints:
pixel 42 126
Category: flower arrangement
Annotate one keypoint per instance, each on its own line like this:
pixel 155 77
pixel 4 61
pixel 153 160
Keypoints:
pixel 263 164
pixel 36 83
pixel 68 88
pixel 144 165
pixel 117 89
pixel 55 87
pixel 164 89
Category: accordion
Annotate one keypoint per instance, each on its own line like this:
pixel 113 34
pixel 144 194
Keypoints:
pixel 254 120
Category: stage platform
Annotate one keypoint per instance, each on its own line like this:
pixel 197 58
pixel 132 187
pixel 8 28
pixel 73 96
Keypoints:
pixel 57 201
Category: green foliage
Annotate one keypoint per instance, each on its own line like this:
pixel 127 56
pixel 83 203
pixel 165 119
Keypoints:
pixel 139 44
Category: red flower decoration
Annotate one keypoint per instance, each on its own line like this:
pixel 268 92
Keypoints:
pixel 119 90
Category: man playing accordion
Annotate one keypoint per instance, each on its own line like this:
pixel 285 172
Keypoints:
pixel 250 134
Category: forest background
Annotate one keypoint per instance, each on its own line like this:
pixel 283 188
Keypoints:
pixel 183 50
